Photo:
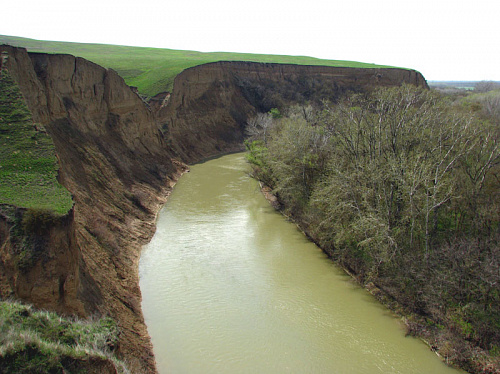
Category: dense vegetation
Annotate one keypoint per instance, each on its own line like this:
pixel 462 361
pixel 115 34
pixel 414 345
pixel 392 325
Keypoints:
pixel 153 70
pixel 402 187
pixel 28 164
pixel 34 341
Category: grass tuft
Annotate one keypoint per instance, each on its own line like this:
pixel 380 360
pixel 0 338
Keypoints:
pixel 34 341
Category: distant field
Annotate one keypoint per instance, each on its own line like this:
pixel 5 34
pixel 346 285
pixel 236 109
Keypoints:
pixel 153 70
pixel 462 85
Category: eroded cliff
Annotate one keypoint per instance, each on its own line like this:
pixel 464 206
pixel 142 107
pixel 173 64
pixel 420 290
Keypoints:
pixel 210 104
pixel 120 167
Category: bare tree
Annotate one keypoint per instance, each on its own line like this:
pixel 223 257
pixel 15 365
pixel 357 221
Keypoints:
pixel 259 126
pixel 486 86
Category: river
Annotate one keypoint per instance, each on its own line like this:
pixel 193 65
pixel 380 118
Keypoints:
pixel 229 286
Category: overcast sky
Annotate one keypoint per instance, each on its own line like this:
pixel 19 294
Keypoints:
pixel 443 39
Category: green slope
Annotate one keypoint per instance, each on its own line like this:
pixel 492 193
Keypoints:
pixel 153 70
pixel 28 164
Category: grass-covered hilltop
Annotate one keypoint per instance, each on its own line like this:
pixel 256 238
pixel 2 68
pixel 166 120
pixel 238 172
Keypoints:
pixel 152 70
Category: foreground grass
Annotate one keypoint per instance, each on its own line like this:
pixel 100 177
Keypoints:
pixel 34 341
pixel 28 164
pixel 153 70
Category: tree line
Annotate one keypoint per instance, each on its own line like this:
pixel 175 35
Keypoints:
pixel 402 187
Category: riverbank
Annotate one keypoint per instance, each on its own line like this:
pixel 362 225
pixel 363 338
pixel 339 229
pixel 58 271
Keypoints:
pixel 400 187
pixel 117 158
pixel 439 340
pixel 230 286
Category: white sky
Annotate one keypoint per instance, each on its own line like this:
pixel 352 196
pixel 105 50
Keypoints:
pixel 443 39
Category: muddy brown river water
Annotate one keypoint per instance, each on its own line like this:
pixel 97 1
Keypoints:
pixel 229 286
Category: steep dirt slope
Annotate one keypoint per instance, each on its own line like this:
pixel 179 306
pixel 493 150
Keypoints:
pixel 115 163
pixel 119 167
pixel 209 106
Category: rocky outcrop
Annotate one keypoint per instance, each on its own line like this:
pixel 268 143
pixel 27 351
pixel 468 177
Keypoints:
pixel 120 167
pixel 159 101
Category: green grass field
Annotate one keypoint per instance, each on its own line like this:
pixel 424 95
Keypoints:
pixel 153 70
pixel 28 165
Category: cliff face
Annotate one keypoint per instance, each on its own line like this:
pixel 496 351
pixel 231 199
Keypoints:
pixel 116 165
pixel 120 168
pixel 211 103
pixel 52 281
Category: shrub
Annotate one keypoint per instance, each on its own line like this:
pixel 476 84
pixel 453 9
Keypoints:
pixel 401 187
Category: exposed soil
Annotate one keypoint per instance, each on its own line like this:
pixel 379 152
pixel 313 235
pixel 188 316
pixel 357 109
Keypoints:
pixel 120 158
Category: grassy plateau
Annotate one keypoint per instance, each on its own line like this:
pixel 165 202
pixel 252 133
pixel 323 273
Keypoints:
pixel 152 70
